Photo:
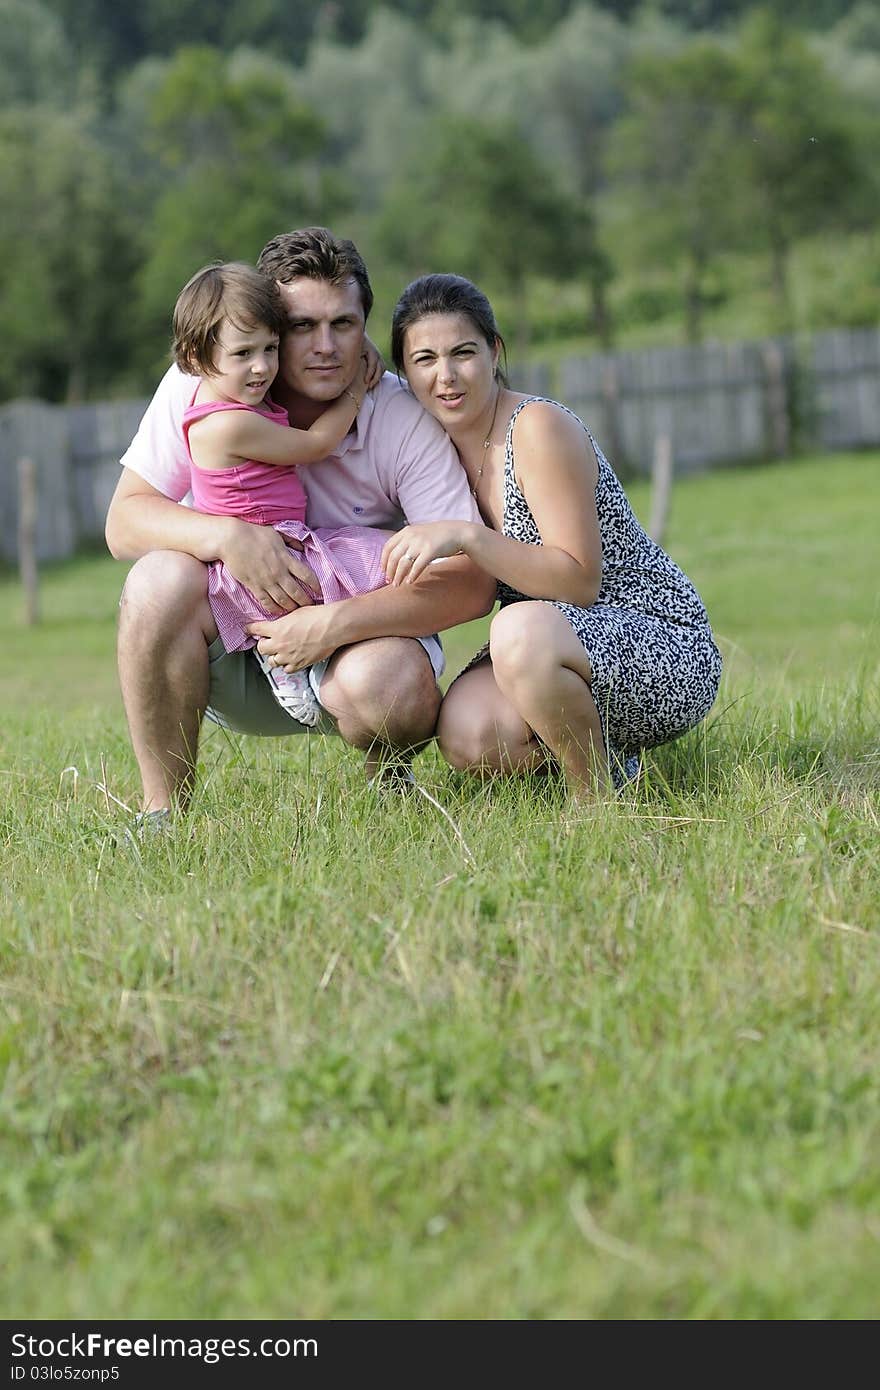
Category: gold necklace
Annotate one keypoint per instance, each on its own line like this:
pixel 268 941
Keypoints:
pixel 486 443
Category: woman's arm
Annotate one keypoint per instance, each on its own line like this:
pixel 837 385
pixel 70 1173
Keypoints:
pixel 557 473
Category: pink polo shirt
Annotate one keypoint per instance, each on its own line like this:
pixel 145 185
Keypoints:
pixel 396 466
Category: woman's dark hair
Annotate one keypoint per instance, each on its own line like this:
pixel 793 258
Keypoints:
pixel 444 294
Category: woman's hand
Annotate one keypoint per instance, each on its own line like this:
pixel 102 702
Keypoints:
pixel 407 554
pixel 374 364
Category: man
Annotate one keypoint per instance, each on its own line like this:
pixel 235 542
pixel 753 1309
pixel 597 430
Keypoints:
pixel 373 669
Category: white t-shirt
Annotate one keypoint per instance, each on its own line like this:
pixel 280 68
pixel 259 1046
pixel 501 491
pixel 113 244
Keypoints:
pixel 396 466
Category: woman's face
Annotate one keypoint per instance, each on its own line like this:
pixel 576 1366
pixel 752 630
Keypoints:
pixel 450 369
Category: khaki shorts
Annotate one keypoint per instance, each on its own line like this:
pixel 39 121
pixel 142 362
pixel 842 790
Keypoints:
pixel 240 698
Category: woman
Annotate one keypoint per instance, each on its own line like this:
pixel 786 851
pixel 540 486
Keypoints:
pixel 602 646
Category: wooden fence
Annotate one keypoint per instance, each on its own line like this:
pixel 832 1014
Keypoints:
pixel 717 403
pixel 724 402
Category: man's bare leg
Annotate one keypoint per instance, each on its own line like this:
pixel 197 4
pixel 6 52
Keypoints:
pixel 165 629
pixel 384 698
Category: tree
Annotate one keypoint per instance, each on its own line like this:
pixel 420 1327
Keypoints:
pixel 239 154
pixel 799 158
pixel 34 60
pixel 478 201
pixel 677 147
pixel 381 93
pixel 64 254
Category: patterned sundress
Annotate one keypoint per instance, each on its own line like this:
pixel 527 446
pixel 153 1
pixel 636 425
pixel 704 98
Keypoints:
pixel 655 665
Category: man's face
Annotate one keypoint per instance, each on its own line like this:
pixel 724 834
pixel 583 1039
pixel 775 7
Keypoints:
pixel 324 339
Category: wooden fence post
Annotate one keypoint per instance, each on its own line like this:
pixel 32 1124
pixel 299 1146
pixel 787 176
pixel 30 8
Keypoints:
pixel 610 389
pixel 661 487
pixel 27 539
pixel 777 400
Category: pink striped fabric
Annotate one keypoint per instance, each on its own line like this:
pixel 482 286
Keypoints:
pixel 345 559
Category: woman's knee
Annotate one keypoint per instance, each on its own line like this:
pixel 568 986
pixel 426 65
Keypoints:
pixel 475 735
pixel 532 642
pixel 518 641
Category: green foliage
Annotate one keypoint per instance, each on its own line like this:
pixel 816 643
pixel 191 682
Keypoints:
pixel 62 249
pixel 479 200
pixel 605 154
pixel 678 145
pixel 237 150
pixel 34 64
pixel 799 154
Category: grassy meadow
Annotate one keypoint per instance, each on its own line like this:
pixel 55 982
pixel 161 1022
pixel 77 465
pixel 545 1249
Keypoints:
pixel 322 1055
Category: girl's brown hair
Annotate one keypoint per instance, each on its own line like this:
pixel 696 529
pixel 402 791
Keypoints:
pixel 233 291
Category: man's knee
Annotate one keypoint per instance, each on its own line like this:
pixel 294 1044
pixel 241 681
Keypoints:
pixel 383 688
pixel 164 592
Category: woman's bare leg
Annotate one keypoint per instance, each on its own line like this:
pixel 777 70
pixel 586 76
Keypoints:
pixel 543 671
pixel 479 730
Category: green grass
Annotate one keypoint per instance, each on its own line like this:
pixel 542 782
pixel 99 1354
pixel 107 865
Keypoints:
pixel 316 1055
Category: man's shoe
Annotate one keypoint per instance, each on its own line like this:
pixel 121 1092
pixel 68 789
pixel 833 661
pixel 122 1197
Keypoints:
pixel 150 823
pixel 396 778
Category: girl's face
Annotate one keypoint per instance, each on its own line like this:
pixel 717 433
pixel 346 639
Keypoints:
pixel 450 369
pixel 245 363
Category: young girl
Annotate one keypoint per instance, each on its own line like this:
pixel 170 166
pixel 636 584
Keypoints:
pixel 244 455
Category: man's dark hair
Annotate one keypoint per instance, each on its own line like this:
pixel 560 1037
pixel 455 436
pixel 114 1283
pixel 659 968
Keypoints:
pixel 444 294
pixel 316 254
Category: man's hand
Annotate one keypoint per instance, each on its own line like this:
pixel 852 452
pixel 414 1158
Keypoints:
pixel 298 639
pixel 258 558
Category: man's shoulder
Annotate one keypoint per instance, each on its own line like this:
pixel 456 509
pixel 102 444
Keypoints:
pixel 397 415
pixel 158 452
pixel 175 389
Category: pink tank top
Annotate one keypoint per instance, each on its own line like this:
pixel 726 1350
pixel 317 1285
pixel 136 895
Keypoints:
pixel 263 493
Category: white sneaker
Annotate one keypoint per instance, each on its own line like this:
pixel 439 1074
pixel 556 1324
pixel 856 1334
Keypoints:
pixel 293 692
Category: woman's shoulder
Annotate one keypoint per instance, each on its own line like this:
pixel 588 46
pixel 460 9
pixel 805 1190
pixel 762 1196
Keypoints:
pixel 539 424
pixel 539 417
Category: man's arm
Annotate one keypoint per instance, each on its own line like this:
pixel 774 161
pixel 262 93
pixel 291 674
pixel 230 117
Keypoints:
pixel 140 518
pixel 452 591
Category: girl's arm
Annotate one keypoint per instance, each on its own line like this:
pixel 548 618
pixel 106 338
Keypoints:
pixel 221 440
pixel 557 473
pixel 375 363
